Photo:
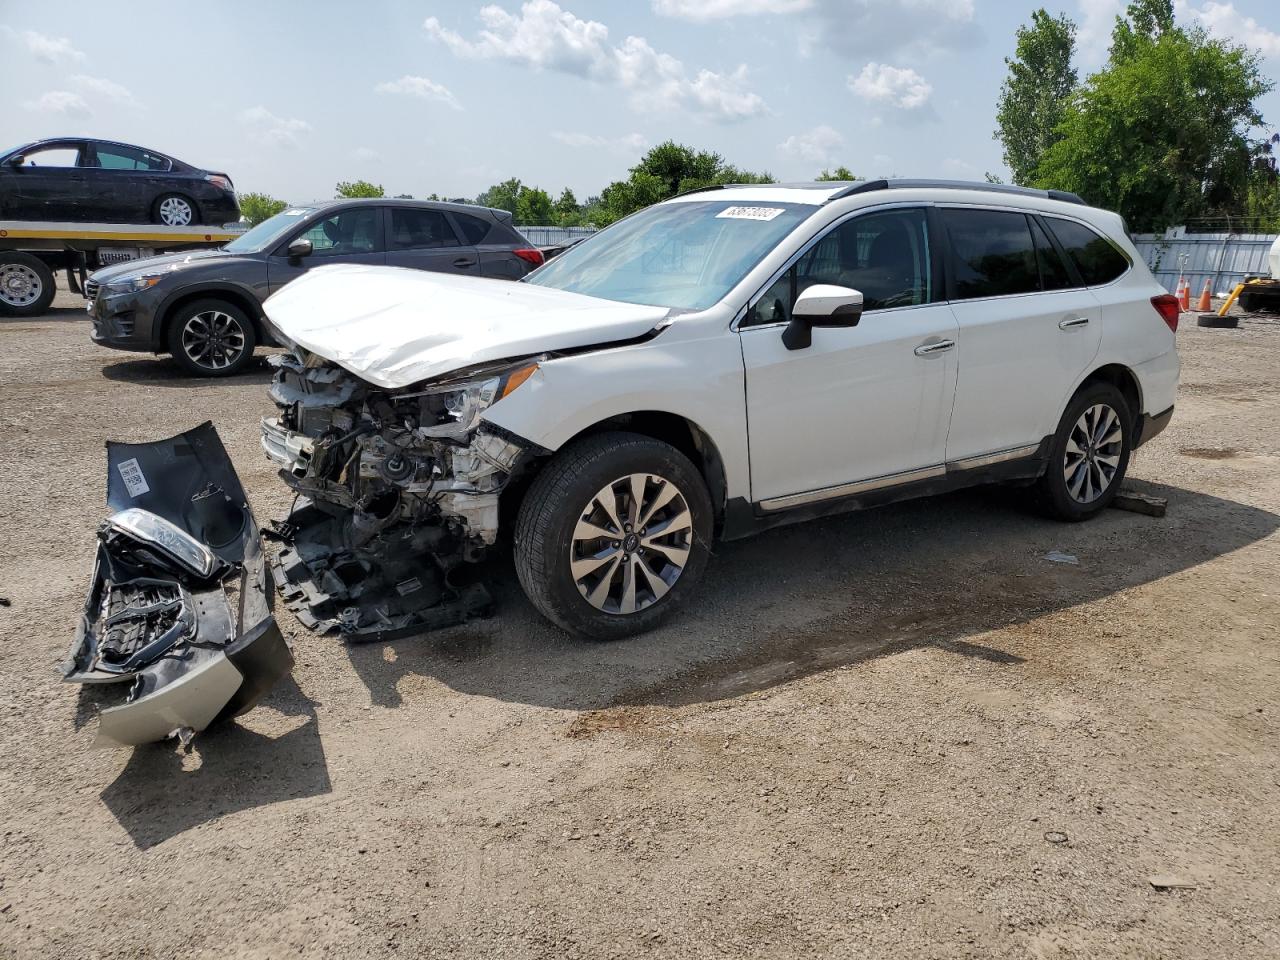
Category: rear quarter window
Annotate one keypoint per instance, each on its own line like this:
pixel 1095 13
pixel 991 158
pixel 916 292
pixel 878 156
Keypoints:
pixel 473 228
pixel 1095 257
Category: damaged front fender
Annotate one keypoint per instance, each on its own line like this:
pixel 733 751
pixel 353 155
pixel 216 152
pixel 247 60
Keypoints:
pixel 179 608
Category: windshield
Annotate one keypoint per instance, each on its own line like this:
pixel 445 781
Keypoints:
pixel 256 239
pixel 686 254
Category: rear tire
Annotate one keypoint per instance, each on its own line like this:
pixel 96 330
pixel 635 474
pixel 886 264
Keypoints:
pixel 26 285
pixel 211 338
pixel 651 510
pixel 1089 454
pixel 175 210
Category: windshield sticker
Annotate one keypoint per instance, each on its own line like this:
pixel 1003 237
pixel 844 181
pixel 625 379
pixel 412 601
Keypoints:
pixel 131 474
pixel 749 213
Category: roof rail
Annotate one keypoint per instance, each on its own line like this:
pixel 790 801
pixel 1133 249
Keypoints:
pixel 870 186
pixel 709 186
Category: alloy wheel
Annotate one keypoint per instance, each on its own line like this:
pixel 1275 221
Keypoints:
pixel 176 212
pixel 20 285
pixel 631 543
pixel 1093 453
pixel 213 339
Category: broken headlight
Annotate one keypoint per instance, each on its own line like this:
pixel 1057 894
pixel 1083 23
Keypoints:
pixel 465 400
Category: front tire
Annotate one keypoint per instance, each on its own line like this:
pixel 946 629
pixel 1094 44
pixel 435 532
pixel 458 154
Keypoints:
pixel 211 338
pixel 613 535
pixel 1089 454
pixel 175 210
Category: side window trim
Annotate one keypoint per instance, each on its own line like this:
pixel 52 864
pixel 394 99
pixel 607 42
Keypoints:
pixel 741 319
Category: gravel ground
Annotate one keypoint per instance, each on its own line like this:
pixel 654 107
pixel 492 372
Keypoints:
pixel 899 733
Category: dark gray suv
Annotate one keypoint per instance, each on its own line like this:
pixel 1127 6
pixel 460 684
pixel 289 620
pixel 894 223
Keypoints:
pixel 205 308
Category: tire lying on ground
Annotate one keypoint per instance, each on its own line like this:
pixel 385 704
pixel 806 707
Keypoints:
pixel 1213 320
pixel 26 285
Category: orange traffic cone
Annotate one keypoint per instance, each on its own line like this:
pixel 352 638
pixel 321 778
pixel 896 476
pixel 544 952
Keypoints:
pixel 1184 294
pixel 1206 298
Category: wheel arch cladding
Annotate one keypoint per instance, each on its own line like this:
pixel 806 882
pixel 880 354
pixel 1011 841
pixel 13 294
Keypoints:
pixel 1124 380
pixel 245 302
pixel 681 433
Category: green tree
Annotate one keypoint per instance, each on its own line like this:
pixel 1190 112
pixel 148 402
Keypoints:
pixel 404 196
pixel 256 207
pixel 839 173
pixel 350 190
pixel 533 206
pixel 1162 133
pixel 667 169
pixel 567 211
pixel 1035 94
pixel 502 196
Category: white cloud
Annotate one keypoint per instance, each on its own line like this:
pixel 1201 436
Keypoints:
pixel 368 154
pixel 887 27
pixel 628 143
pixel 817 146
pixel 1224 22
pixel 1097 18
pixel 61 102
pixel 98 86
pixel 961 168
pixel 899 87
pixel 421 88
pixel 46 48
pixel 282 131
pixel 543 36
pixel 703 10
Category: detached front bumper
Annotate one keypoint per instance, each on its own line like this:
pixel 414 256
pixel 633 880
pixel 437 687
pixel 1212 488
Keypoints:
pixel 178 616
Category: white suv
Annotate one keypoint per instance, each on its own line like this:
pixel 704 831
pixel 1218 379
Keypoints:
pixel 723 362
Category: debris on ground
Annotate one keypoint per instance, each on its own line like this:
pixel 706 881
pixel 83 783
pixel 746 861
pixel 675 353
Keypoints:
pixel 1168 882
pixel 1057 556
pixel 1136 502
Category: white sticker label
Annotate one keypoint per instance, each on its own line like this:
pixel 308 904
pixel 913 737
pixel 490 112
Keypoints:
pixel 133 479
pixel 749 213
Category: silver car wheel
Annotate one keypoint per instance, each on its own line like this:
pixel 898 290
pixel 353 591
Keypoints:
pixel 176 212
pixel 213 339
pixel 19 285
pixel 1093 453
pixel 631 543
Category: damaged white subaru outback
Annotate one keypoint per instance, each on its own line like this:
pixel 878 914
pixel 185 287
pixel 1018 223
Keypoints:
pixel 723 362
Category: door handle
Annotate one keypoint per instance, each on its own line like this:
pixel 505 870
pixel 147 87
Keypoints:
pixel 464 262
pixel 1074 322
pixel 936 347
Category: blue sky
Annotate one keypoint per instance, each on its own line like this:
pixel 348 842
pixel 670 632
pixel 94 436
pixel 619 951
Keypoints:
pixel 451 97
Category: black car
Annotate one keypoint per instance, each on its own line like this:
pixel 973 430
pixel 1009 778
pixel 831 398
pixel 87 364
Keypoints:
pixel 205 308
pixel 79 180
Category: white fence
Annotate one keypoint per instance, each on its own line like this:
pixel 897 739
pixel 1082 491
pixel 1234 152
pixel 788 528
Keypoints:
pixel 549 236
pixel 1224 258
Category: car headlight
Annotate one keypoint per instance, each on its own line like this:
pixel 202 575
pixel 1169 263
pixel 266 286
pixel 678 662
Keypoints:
pixel 465 400
pixel 130 284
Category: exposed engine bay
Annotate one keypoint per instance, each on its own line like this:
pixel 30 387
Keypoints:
pixel 397 490
pixel 179 608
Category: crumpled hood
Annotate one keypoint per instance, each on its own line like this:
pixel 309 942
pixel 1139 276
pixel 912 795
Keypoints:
pixel 394 327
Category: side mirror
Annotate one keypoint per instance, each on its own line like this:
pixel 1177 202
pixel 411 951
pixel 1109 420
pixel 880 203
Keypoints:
pixel 299 248
pixel 17 160
pixel 821 305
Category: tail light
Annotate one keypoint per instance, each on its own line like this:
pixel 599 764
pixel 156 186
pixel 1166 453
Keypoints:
pixel 220 180
pixel 1169 308
pixel 531 254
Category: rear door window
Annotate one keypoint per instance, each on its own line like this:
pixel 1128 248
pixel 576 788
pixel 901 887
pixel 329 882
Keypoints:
pixel 993 253
pixel 1095 257
pixel 1054 274
pixel 420 229
pixel 127 158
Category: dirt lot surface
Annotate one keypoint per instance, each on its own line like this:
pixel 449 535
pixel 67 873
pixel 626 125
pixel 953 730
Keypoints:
pixel 900 733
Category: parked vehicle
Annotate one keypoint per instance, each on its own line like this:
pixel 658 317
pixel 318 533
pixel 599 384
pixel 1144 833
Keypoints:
pixel 78 180
pixel 205 308
pixel 723 362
